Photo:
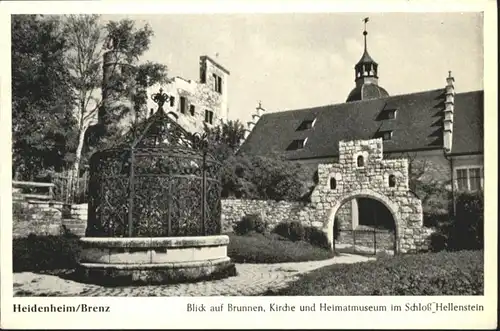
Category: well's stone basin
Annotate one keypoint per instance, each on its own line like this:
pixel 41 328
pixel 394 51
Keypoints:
pixel 163 260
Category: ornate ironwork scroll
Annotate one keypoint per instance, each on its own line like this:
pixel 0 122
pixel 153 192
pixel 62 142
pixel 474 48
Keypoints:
pixel 159 181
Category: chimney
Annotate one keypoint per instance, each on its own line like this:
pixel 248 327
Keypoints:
pixel 448 113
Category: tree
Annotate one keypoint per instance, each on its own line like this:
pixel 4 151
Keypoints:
pixel 89 40
pixel 225 138
pixel 253 176
pixel 42 100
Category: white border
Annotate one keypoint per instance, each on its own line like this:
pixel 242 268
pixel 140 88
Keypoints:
pixel 170 312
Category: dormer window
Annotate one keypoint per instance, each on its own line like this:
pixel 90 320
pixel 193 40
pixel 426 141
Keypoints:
pixel 297 144
pixel 306 125
pixel 385 135
pixel 391 114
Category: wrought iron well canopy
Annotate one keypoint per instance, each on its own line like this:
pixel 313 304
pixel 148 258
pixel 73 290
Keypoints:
pixel 158 181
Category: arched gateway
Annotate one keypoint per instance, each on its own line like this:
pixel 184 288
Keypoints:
pixel 385 181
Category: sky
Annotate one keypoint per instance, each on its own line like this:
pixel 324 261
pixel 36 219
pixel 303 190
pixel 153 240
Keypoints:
pixel 299 60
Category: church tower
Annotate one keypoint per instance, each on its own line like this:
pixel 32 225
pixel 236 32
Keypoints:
pixel 366 77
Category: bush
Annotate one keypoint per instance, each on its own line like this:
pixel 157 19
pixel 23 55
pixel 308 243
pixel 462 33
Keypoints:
pixel 40 253
pixel 272 248
pixel 444 273
pixel 465 231
pixel 316 237
pixel 264 178
pixel 250 223
pixel 295 231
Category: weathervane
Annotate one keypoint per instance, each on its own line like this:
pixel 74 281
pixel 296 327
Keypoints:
pixel 160 98
pixel 365 20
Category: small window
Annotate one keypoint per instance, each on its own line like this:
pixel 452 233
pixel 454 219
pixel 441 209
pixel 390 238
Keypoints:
pixel 192 109
pixel 333 183
pixel 183 105
pixel 462 180
pixel 474 179
pixel 209 116
pixel 391 114
pixel 469 179
pixel 385 135
pixel 361 161
pixel 392 181
pixel 306 125
pixel 297 144
pixel 217 83
pixel 172 101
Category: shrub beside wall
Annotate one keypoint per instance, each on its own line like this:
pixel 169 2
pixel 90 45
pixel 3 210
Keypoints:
pixel 41 253
pixel 466 230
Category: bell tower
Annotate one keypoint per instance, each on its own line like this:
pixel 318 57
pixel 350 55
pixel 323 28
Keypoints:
pixel 366 69
pixel 366 76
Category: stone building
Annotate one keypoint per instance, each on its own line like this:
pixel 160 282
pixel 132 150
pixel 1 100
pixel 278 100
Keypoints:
pixel 439 131
pixel 197 103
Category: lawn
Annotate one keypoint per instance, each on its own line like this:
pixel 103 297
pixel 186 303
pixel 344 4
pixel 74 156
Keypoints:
pixel 39 253
pixel 272 248
pixel 443 273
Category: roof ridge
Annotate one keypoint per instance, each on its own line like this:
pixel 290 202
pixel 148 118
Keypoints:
pixel 361 101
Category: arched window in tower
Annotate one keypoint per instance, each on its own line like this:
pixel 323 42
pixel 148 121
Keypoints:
pixel 392 181
pixel 333 183
pixel 361 161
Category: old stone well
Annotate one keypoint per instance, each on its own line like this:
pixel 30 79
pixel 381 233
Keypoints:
pixel 154 209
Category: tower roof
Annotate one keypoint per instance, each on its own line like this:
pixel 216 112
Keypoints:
pixel 366 92
pixel 366 58
pixel 366 73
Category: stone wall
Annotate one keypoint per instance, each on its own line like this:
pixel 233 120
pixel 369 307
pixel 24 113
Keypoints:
pixel 273 212
pixel 47 218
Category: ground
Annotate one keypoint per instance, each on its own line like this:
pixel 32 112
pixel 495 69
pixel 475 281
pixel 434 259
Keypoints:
pixel 252 279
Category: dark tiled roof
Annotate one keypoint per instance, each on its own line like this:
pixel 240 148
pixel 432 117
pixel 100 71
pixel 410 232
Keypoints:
pixel 418 125
pixel 366 92
pixel 468 134
pixel 366 58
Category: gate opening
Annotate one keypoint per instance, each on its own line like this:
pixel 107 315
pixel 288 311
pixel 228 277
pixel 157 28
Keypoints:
pixel 364 226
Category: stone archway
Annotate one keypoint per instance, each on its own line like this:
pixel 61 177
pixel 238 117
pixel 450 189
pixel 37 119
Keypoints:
pixel 366 193
pixel 362 172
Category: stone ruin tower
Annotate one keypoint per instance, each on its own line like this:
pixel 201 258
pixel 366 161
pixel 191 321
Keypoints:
pixel 115 64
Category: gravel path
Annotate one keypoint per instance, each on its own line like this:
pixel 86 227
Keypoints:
pixel 252 279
